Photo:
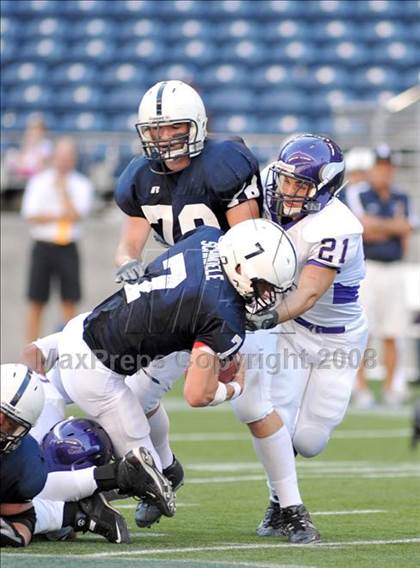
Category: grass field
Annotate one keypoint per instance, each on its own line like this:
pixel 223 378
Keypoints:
pixel 363 492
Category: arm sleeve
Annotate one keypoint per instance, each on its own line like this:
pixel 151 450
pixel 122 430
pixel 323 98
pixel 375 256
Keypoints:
pixel 234 175
pixel 49 348
pixel 224 335
pixel 125 193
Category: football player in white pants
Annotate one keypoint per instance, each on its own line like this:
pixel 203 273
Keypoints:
pixel 322 333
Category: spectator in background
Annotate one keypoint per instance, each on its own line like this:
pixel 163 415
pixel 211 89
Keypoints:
pixel 388 219
pixel 54 202
pixel 359 162
pixel 33 155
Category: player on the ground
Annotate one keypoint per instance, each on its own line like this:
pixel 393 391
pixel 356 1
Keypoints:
pixel 325 336
pixel 32 503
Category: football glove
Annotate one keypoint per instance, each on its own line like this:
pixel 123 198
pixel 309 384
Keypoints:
pixel 262 320
pixel 130 272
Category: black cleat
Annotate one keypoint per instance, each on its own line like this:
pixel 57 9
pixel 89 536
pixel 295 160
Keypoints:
pixel 272 523
pixel 298 526
pixel 139 476
pixel 147 513
pixel 97 516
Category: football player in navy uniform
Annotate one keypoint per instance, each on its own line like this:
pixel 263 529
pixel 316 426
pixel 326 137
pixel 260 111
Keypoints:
pixel 184 180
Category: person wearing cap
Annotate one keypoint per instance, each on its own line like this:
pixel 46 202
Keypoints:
pixel 359 161
pixel 388 219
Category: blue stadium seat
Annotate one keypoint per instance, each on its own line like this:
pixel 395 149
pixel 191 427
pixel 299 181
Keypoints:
pixel 377 77
pixel 77 72
pixel 139 28
pixel 195 51
pixel 329 9
pixel 123 122
pixel 48 50
pixel 184 8
pixel 47 27
pixel 177 70
pixel 93 8
pixel 8 50
pixel 195 28
pixel 349 53
pixel 79 97
pixel 270 76
pixel 97 50
pixel 124 74
pixel 286 31
pixel 224 74
pixel 388 8
pixel 396 53
pixel 245 51
pixel 9 27
pixel 385 30
pixel 329 76
pixel 238 30
pixel 284 123
pixel 16 73
pixel 18 119
pixel 147 51
pixel 123 100
pixel 234 123
pixel 94 28
pixel 89 121
pixel 299 52
pixel 335 30
pixel 230 100
pixel 283 101
pixel 31 96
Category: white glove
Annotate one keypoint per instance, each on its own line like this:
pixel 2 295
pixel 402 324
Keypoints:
pixel 130 272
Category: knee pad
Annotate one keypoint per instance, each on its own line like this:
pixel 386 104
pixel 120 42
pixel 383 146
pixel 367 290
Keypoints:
pixel 310 440
pixel 254 403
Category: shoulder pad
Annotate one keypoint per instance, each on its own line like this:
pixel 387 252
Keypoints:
pixel 228 164
pixel 335 220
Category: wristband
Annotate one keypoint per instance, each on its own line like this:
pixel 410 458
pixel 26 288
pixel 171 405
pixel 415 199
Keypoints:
pixel 237 389
pixel 220 396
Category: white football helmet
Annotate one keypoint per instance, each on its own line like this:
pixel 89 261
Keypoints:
pixel 22 400
pixel 169 103
pixel 258 251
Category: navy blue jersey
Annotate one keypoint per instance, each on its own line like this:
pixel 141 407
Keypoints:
pixel 183 297
pixel 222 176
pixel 364 200
pixel 23 472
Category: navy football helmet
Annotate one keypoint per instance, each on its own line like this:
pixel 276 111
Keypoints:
pixel 308 172
pixel 76 443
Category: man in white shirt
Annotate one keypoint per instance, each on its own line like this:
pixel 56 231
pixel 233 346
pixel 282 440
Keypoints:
pixel 54 202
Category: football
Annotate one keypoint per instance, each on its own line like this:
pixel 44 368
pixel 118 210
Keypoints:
pixel 228 369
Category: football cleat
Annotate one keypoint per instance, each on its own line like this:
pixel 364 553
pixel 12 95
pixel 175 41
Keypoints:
pixel 139 476
pixel 415 436
pixel 97 516
pixel 148 513
pixel 298 526
pixel 272 523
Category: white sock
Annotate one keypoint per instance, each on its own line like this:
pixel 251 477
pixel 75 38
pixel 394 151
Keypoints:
pixel 159 434
pixel 69 485
pixel 49 515
pixel 276 455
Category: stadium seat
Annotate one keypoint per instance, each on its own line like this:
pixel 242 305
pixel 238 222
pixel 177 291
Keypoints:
pixel 382 30
pixel 79 97
pixel 285 123
pixel 123 122
pixel 238 30
pixel 299 52
pixel 9 27
pixel 139 28
pixel 283 101
pixel 225 74
pixel 230 100
pixel 286 30
pixel 16 73
pixel 377 77
pixel 124 74
pixel 47 27
pixel 94 28
pixel 176 70
pixel 196 51
pixel 77 72
pixel 123 100
pixel 147 51
pixel 396 53
pixel 348 53
pixel 234 123
pixel 229 9
pixel 84 121
pixel 48 50
pixel 328 76
pixel 97 50
pixel 190 29
pixel 243 51
pixel 32 96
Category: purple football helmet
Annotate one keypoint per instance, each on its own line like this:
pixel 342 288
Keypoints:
pixel 316 163
pixel 76 443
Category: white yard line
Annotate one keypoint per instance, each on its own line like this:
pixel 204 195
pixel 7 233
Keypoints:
pixel 221 548
pixel 341 434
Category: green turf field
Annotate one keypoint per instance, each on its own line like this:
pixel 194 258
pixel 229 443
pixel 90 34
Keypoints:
pixel 363 491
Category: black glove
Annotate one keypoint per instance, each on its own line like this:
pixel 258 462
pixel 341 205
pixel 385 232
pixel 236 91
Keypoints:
pixel 129 272
pixel 262 320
